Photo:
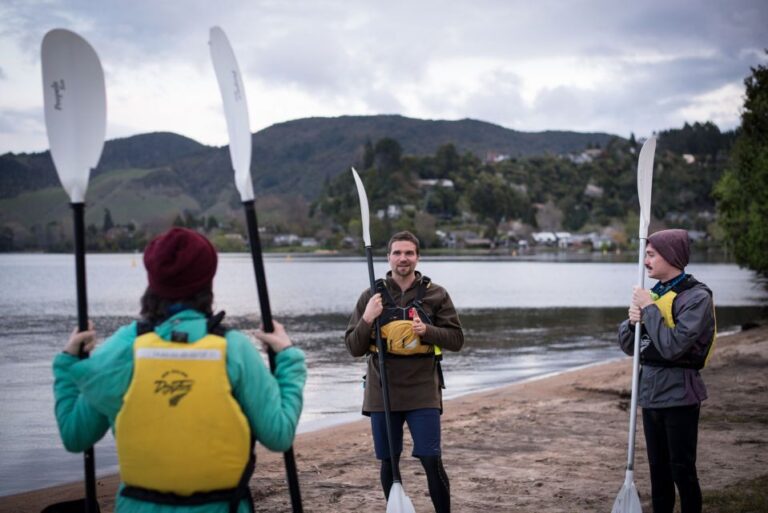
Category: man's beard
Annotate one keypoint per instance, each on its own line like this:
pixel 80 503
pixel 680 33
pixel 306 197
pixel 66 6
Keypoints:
pixel 404 271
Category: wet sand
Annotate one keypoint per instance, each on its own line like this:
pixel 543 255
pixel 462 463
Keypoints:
pixel 556 444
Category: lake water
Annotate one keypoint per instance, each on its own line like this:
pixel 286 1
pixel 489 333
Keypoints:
pixel 522 319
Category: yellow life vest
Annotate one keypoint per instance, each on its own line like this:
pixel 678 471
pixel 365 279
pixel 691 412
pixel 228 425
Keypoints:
pixel 401 340
pixel 397 323
pixel 664 304
pixel 180 431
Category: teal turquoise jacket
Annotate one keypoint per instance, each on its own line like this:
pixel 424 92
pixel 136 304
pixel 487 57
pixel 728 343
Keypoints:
pixel 89 394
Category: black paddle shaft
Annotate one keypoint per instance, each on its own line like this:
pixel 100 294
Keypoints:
pixel 78 211
pixel 383 373
pixel 266 318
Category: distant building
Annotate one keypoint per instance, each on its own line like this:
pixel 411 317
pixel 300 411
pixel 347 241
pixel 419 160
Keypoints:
pixel 563 239
pixel 286 239
pixel 309 242
pixel 392 212
pixel 478 242
pixel 593 191
pixel 494 157
pixel 435 182
pixel 585 156
pixel 546 238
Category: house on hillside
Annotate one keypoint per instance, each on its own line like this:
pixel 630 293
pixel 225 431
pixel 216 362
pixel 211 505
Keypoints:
pixel 435 182
pixel 544 238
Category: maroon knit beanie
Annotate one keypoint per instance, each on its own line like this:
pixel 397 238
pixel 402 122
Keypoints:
pixel 673 245
pixel 179 263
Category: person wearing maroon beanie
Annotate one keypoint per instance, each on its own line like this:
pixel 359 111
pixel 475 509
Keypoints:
pixel 677 337
pixel 180 263
pixel 186 398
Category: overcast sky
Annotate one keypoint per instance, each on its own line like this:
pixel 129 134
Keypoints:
pixel 609 66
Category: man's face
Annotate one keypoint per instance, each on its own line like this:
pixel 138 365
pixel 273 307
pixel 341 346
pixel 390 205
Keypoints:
pixel 403 258
pixel 658 268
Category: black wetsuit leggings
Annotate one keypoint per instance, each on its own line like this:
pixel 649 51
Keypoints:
pixel 671 437
pixel 437 481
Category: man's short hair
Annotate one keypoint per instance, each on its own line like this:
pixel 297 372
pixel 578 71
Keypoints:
pixel 403 236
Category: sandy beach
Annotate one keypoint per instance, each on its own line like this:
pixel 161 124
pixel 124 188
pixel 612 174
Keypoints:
pixel 556 444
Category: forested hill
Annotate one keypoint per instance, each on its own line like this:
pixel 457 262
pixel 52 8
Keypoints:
pixel 296 156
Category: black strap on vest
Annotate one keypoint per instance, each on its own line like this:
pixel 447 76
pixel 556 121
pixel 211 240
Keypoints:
pixel 393 312
pixel 213 326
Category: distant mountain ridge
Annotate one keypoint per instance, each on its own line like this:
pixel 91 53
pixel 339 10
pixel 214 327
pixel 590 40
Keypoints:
pixel 295 156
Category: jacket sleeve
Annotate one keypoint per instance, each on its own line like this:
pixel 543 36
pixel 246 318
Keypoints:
pixel 358 334
pixel 272 404
pixel 694 319
pixel 446 329
pixel 80 424
pixel 627 337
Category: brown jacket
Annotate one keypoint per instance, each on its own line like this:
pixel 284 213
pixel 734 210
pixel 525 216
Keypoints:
pixel 414 381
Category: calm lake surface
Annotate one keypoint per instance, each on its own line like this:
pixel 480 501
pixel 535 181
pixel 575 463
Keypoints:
pixel 522 319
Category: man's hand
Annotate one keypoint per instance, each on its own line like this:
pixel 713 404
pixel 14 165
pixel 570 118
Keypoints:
pixel 373 309
pixel 418 327
pixel 634 314
pixel 641 297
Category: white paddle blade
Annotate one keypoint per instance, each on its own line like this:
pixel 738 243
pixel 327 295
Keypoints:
pixel 75 102
pixel 627 501
pixel 398 501
pixel 235 109
pixel 364 212
pixel 644 183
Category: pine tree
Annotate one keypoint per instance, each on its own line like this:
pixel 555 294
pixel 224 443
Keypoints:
pixel 742 192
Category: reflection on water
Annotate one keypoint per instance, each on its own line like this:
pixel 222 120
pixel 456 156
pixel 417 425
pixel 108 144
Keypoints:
pixel 521 319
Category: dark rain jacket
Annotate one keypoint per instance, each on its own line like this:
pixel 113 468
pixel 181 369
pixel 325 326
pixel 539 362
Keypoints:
pixel 664 387
pixel 414 381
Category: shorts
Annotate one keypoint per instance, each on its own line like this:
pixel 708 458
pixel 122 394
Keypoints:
pixel 424 425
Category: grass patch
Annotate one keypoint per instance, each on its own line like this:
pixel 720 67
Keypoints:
pixel 749 496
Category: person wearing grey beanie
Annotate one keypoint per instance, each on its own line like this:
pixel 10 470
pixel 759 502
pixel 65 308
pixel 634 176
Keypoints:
pixel 677 337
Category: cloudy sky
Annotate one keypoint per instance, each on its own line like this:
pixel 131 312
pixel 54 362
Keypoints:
pixel 609 66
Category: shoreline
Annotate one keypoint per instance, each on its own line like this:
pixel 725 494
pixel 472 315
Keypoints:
pixel 548 443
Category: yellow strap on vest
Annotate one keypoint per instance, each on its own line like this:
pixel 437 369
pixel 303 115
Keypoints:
pixel 665 306
pixel 401 340
pixel 180 430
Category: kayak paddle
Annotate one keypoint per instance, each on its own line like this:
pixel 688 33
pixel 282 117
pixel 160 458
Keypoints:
pixel 627 501
pixel 75 102
pixel 236 111
pixel 398 501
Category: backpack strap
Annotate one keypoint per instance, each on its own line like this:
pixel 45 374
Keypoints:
pixel 421 291
pixel 143 327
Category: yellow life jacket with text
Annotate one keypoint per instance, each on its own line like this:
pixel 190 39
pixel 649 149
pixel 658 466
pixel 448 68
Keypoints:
pixel 180 431
pixel 396 323
pixel 664 302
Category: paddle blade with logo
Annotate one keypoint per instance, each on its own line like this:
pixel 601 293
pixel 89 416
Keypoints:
pixel 75 103
pixel 235 108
